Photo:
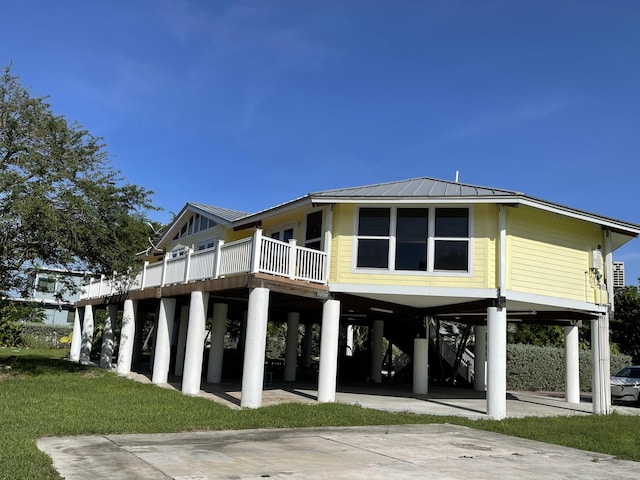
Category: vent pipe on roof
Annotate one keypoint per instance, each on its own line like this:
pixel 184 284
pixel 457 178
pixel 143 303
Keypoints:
pixel 457 172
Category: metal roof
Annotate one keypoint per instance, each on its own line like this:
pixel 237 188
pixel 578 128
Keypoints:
pixel 415 187
pixel 219 212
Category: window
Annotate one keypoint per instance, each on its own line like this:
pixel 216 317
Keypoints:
pixel 284 234
pixel 313 235
pixel 373 238
pixel 208 243
pixel 451 242
pixel 194 224
pixel 46 284
pixel 413 239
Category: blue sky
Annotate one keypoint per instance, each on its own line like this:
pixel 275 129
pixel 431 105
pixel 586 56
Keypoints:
pixel 248 104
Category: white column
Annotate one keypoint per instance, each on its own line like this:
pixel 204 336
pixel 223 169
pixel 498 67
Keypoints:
pixel 216 352
pixel 76 338
pixel 307 345
pixel 421 365
pixel 497 363
pixel 127 337
pixel 480 360
pixel 601 376
pixel 596 387
pixel 106 353
pixel 291 353
pixel 255 346
pixel 182 340
pixel 376 351
pixel 329 336
pixel 87 335
pixel 162 350
pixel 572 363
pixel 605 352
pixel 192 374
pixel 349 350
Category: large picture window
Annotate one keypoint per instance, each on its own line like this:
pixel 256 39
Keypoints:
pixel 413 239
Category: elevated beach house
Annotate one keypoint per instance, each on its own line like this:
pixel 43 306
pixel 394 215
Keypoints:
pixel 392 256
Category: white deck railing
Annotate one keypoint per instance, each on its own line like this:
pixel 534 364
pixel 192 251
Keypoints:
pixel 253 254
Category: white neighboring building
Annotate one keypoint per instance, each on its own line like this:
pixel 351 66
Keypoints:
pixel 45 284
pixel 618 274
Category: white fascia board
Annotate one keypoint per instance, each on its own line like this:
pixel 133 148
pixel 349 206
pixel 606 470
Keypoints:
pixel 633 230
pixel 270 212
pixel 549 301
pixel 403 290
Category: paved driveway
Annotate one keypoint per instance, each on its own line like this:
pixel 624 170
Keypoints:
pixel 395 452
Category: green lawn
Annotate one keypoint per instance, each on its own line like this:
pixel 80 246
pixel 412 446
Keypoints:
pixel 44 395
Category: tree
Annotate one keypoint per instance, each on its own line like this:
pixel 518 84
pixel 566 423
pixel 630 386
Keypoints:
pixel 61 204
pixel 625 325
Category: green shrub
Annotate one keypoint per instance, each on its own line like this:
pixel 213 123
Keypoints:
pixel 38 335
pixel 9 334
pixel 534 368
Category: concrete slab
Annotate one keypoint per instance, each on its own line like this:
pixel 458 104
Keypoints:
pixel 404 452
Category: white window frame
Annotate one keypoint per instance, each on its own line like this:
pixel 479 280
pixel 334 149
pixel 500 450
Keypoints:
pixel 202 244
pixel 431 239
pixel 281 229
pixel 322 227
pixel 178 251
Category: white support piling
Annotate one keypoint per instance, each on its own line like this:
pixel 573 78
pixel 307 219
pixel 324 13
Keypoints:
pixel 480 359
pixel 330 334
pixel 162 350
pixel 76 338
pixel 421 366
pixel 572 362
pixel 194 351
pixel 106 352
pixel 376 351
pixel 87 335
pixel 127 337
pixel 497 363
pixel 255 346
pixel 216 352
pixel 291 353
pixel 182 340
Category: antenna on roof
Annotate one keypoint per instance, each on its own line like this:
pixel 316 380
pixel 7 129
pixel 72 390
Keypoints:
pixel 457 173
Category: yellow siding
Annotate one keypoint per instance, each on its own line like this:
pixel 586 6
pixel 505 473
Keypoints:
pixel 484 255
pixel 549 254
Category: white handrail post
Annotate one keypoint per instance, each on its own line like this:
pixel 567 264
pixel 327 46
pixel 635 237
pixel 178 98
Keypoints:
pixel 255 251
pixel 101 285
pixel 90 287
pixel 292 258
pixel 144 274
pixel 164 270
pixel 216 263
pixel 187 265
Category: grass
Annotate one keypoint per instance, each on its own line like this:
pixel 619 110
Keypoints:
pixel 44 395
